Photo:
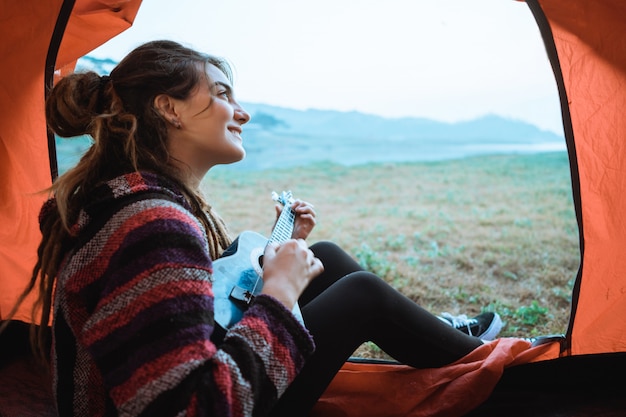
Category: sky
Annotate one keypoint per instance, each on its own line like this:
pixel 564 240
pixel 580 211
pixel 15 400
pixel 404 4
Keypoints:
pixel 448 60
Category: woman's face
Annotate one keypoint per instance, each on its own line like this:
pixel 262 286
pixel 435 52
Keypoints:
pixel 211 123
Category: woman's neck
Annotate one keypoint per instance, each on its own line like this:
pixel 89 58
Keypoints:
pixel 190 178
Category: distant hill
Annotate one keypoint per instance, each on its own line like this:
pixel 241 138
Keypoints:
pixel 360 125
pixel 99 65
pixel 278 136
pixel 289 137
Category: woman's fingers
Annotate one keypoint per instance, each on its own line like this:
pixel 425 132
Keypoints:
pixel 288 268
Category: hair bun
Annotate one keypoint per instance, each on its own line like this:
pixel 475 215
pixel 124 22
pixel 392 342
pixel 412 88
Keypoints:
pixel 74 102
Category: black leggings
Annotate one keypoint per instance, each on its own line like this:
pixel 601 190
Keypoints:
pixel 346 306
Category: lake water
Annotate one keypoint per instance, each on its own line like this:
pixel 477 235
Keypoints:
pixel 272 153
pixel 383 152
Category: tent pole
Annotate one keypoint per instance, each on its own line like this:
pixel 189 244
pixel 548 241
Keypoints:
pixel 53 51
pixel 548 39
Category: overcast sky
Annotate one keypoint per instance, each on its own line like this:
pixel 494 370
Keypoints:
pixel 449 60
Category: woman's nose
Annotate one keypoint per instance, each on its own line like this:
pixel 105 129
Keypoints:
pixel 241 115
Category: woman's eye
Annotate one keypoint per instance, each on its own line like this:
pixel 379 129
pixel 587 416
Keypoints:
pixel 224 94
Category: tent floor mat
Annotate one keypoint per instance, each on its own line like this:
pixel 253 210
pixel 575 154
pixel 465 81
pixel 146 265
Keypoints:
pixel 553 404
pixel 25 390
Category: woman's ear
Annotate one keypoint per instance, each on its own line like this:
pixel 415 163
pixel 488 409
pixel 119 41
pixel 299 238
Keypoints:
pixel 166 108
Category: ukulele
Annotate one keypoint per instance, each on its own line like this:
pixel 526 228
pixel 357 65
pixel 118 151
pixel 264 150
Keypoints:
pixel 238 273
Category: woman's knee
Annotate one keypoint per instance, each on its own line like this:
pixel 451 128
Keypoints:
pixel 324 248
pixel 336 261
pixel 354 300
pixel 366 286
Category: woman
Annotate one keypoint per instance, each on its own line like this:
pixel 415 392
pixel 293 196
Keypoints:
pixel 126 256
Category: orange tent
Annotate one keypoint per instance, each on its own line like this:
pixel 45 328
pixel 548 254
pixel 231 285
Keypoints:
pixel 586 43
pixel 40 40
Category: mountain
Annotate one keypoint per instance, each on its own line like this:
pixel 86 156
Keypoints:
pixel 360 125
pixel 289 137
pixel 279 136
pixel 100 65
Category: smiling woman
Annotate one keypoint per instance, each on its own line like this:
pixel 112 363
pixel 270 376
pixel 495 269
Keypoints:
pixel 126 258
pixel 135 266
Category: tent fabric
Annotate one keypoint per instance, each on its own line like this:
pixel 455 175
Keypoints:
pixel 25 168
pixel 383 390
pixel 590 43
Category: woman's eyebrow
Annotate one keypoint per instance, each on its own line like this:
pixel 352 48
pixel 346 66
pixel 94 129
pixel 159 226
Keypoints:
pixel 224 85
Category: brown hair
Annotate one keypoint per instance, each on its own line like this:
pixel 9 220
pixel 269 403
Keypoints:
pixel 117 111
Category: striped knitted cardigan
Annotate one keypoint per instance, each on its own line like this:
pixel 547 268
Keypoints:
pixel 133 316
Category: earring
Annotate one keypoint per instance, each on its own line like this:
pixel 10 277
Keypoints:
pixel 176 123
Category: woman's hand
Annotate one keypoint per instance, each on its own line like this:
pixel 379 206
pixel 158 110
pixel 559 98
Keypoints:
pixel 287 270
pixel 305 218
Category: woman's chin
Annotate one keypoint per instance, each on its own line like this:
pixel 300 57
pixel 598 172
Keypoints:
pixel 236 159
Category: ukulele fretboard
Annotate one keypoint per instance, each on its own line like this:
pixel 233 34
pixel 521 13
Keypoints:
pixel 284 227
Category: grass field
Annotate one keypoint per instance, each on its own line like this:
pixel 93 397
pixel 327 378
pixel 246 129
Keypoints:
pixel 494 233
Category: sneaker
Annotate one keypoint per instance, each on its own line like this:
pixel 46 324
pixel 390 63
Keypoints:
pixel 485 326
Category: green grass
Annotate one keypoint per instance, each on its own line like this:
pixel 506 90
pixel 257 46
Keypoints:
pixel 464 236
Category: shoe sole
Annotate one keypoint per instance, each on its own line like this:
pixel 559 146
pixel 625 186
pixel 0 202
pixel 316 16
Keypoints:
pixel 493 330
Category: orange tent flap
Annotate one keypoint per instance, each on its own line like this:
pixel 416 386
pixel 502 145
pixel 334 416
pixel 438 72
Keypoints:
pixel 590 39
pixel 92 23
pixel 24 162
pixel 24 165
pixel 384 390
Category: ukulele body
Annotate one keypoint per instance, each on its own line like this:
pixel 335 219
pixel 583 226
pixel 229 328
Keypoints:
pixel 239 278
